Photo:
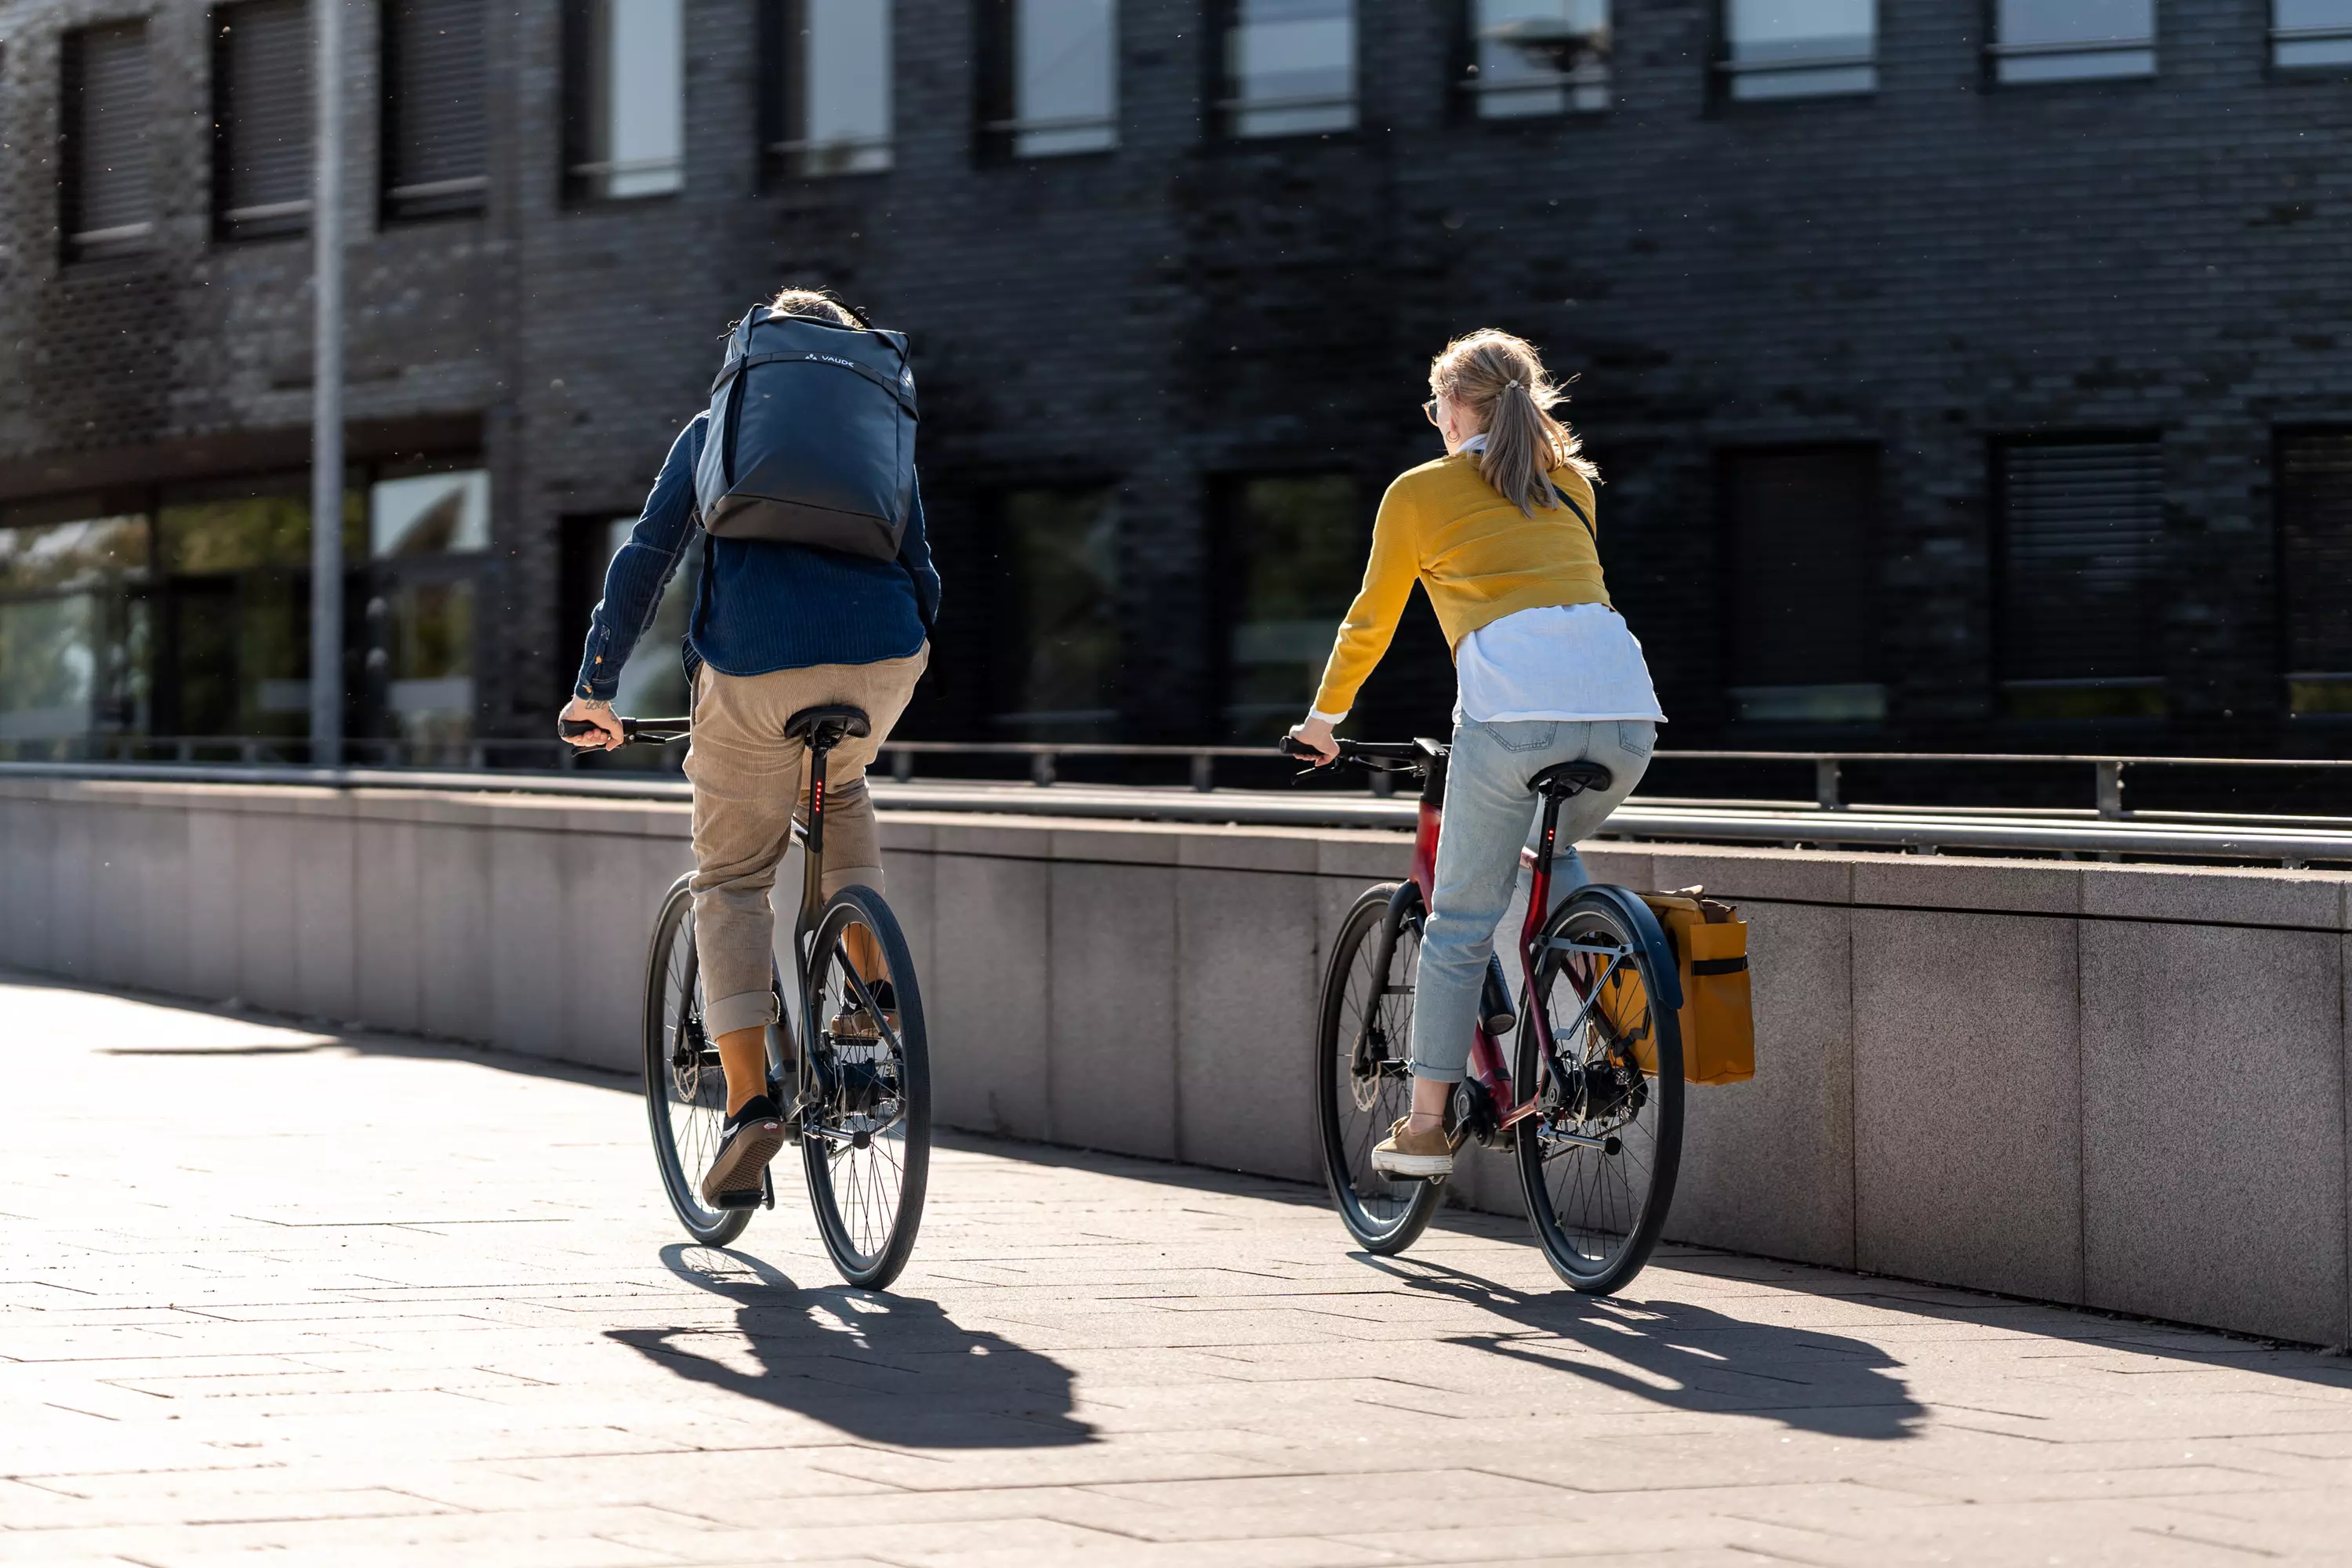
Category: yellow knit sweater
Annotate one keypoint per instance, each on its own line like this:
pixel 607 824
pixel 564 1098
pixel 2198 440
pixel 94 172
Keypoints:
pixel 1478 556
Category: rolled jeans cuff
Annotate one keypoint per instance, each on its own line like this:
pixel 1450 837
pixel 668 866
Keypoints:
pixel 744 1010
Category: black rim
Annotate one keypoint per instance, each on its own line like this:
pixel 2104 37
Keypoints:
pixel 1598 1160
pixel 1361 1099
pixel 685 1093
pixel 866 1138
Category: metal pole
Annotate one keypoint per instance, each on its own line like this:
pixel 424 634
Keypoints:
pixel 327 391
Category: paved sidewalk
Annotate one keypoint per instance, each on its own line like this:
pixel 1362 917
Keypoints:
pixel 268 1296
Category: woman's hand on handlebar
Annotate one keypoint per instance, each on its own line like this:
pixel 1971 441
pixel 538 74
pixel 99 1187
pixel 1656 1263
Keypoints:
pixel 1314 734
pixel 607 735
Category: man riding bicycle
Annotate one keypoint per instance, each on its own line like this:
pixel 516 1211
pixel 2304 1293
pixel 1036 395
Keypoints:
pixel 777 628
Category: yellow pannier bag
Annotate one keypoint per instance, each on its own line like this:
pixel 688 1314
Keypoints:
pixel 1718 1023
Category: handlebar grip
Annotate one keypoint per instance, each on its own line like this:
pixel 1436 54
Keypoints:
pixel 1291 746
pixel 571 728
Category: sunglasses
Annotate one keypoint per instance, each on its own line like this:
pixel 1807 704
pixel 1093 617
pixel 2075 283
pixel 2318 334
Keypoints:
pixel 1430 409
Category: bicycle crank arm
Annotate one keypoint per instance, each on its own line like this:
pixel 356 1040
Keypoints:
pixel 1609 1145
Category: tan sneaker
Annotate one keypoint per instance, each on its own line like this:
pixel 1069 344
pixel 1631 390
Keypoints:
pixel 1404 1152
pixel 855 1023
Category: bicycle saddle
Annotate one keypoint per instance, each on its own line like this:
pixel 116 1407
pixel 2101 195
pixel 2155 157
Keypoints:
pixel 828 723
pixel 1567 779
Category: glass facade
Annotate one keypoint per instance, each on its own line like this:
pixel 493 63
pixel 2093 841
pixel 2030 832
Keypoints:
pixel 1291 551
pixel 1799 48
pixel 1290 68
pixel 1054 71
pixel 834 95
pixel 1538 56
pixel 2074 40
pixel 626 91
pixel 186 612
pixel 1055 667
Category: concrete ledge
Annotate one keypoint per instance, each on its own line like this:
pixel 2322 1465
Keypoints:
pixel 2124 1085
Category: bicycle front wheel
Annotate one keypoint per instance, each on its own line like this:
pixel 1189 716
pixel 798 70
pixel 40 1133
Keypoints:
pixel 1363 1074
pixel 1597 1162
pixel 686 1092
pixel 866 1089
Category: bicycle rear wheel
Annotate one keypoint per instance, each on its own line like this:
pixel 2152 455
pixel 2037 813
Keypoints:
pixel 1363 1075
pixel 865 1122
pixel 685 1093
pixel 1597 1162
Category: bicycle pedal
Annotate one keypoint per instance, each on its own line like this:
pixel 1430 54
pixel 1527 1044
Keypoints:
pixel 749 1200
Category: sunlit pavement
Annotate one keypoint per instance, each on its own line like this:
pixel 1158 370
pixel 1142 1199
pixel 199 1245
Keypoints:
pixel 274 1296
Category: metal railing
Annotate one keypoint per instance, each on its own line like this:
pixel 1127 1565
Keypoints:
pixel 2103 826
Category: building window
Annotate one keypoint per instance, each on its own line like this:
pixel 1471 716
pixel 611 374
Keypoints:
pixel 2311 33
pixel 829 102
pixel 74 625
pixel 1798 48
pixel 625 87
pixel 2315 503
pixel 1290 68
pixel 1802 527
pixel 426 533
pixel 434 161
pixel 2073 41
pixel 2082 551
pixel 104 197
pixel 1537 56
pixel 261 119
pixel 1290 555
pixel 1050 77
pixel 1056 664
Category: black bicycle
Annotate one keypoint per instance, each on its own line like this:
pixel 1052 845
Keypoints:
pixel 857 1063
pixel 1589 1102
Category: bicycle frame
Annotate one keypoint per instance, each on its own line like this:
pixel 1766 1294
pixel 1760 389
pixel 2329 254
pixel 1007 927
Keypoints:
pixel 1487 1064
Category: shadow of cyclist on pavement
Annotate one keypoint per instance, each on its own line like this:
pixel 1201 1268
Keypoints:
pixel 892 1368
pixel 1687 1357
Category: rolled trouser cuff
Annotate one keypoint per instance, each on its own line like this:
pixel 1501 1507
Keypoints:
pixel 744 1010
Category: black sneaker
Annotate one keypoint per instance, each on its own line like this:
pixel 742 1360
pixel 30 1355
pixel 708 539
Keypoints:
pixel 749 1140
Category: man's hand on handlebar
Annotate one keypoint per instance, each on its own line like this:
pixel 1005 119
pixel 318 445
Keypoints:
pixel 607 735
pixel 1314 734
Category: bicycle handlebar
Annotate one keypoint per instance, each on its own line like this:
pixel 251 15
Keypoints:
pixel 1381 756
pixel 633 732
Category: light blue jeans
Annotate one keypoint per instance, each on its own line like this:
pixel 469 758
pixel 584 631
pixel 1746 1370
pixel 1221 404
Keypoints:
pixel 1491 811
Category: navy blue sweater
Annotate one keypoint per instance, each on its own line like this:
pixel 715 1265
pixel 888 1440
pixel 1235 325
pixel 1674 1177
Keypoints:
pixel 762 606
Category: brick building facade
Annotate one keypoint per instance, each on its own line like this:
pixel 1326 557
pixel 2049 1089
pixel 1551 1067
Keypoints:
pixel 1937 408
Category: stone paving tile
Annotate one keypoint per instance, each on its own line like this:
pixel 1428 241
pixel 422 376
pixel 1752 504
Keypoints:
pixel 317 1320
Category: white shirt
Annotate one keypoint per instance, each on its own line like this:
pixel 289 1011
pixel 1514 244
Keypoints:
pixel 1571 663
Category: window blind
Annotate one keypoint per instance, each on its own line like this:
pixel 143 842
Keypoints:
pixel 261 119
pixel 105 193
pixel 2314 499
pixel 434 157
pixel 2082 537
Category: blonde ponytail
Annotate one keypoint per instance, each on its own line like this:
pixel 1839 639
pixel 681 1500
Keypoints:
pixel 1501 383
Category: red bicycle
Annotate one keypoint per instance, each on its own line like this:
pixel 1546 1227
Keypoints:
pixel 1591 1105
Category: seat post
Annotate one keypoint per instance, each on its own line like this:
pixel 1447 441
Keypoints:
pixel 813 870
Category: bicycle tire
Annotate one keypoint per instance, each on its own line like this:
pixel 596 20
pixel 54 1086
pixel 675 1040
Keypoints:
pixel 1353 1111
pixel 872 1234
pixel 686 1092
pixel 1611 1227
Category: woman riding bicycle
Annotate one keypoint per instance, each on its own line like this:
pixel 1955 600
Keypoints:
pixel 1500 532
pixel 777 627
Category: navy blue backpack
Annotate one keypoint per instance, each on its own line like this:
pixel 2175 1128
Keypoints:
pixel 812 436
